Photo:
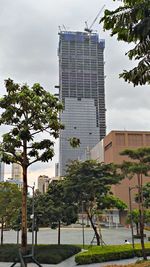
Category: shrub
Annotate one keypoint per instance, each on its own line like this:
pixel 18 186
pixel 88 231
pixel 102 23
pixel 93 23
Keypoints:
pixel 138 236
pixel 50 254
pixel 108 253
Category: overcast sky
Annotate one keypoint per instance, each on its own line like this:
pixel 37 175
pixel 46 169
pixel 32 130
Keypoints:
pixel 28 53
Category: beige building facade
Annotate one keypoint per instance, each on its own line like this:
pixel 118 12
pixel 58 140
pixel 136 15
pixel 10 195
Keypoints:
pixel 44 181
pixel 114 143
pixel 108 151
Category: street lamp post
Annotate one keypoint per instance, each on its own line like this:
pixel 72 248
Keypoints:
pixel 83 236
pixel 33 219
pixel 33 223
pixel 131 217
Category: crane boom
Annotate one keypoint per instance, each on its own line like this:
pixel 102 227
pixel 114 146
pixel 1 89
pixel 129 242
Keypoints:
pixel 90 28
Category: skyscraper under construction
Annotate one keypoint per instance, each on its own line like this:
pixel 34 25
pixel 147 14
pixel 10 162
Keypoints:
pixel 81 85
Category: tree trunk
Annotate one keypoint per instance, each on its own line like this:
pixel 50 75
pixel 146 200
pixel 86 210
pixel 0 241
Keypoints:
pixel 94 228
pixel 142 235
pixel 137 228
pixel 58 232
pixel 24 213
pixel 2 231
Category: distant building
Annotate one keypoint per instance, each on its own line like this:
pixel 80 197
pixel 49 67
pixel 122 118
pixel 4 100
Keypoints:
pixel 81 89
pixel 95 153
pixel 114 143
pixel 108 151
pixel 16 171
pixel 15 181
pixel 1 171
pixel 44 181
pixel 56 169
pixel 42 184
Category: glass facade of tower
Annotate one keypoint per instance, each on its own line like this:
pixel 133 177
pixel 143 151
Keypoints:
pixel 81 80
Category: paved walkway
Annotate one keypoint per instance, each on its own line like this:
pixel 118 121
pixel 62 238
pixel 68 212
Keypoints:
pixel 71 263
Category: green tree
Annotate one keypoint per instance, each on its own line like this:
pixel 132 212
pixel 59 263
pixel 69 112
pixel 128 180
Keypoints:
pixel 52 208
pixel 31 113
pixel 131 23
pixel 139 167
pixel 10 202
pixel 146 195
pixel 90 182
pixel 136 218
pixel 42 205
pixel 42 208
pixel 63 211
pixel 16 224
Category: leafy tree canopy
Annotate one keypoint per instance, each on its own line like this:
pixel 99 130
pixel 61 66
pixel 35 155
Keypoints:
pixel 146 195
pixel 131 23
pixel 90 179
pixel 10 201
pixel 88 184
pixel 139 162
pixel 63 209
pixel 138 166
pixel 29 112
pixel 136 216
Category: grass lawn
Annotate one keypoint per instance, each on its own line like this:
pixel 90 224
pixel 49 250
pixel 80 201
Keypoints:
pixel 51 254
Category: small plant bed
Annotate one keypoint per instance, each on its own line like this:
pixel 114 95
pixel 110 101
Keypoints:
pixel 97 254
pixel 136 264
pixel 50 254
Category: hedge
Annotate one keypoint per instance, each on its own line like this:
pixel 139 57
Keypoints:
pixel 50 254
pixel 97 254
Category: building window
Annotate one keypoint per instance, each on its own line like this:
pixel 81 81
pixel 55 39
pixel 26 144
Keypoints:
pixel 108 146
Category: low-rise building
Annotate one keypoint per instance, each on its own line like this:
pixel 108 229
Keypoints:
pixel 114 143
pixel 108 151
pixel 44 181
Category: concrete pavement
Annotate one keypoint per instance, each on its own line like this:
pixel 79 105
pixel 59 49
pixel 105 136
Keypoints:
pixel 71 263
pixel 74 236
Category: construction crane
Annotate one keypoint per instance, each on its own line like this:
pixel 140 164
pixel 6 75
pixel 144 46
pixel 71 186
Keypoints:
pixel 89 29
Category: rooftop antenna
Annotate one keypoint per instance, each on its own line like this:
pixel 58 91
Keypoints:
pixel 89 29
